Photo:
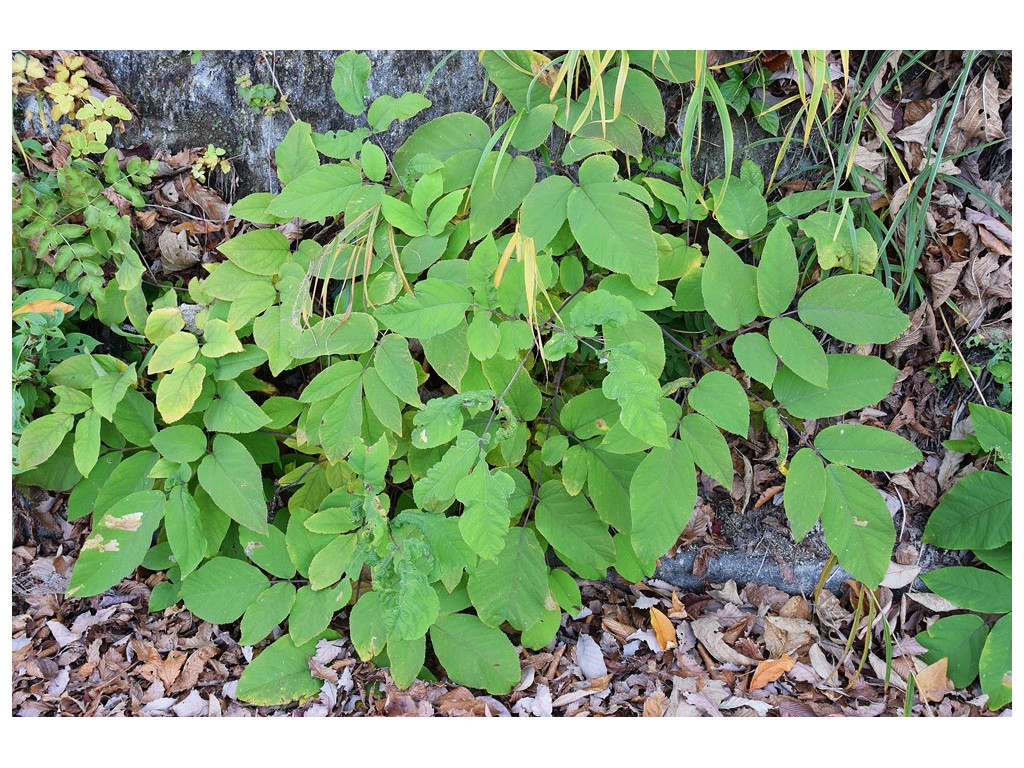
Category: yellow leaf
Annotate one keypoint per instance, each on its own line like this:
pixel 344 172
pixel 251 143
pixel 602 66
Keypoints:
pixel 42 307
pixel 663 629
pixel 771 670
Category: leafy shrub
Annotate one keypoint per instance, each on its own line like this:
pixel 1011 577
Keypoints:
pixel 456 395
pixel 976 514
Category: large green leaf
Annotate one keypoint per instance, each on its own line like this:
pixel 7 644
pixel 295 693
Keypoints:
pixel 993 428
pixel 275 334
pixel 222 589
pixel 279 675
pixel 118 543
pixel 975 514
pixel 396 369
pixel 858 525
pixel 545 210
pixel 996 664
pixel 495 196
pixel 405 658
pixel 230 475
pixel 438 307
pixel 799 350
pixel 638 394
pixel 179 390
pixel 174 351
pixel 864 447
pixel 514 585
pixel 708 447
pixel 777 273
pixel 575 531
pixel 233 411
pixel 721 398
pixel 474 654
pixel 615 233
pixel 856 309
pixel 755 355
pixel 330 563
pixel 317 194
pixel 741 210
pixel 975 589
pixel 261 252
pixel 729 287
pixel 484 521
pixel 854 382
pixel 268 550
pixel 959 639
pixel 386 109
pixel 313 611
pixel 608 480
pixel 184 529
pixel 805 492
pixel 368 626
pixel 181 443
pixel 351 72
pixel 42 437
pixel 267 611
pixel 87 442
pixel 294 156
pixel 411 606
pixel 442 139
pixel 108 391
pixel 336 335
pixel 662 494
pixel 436 490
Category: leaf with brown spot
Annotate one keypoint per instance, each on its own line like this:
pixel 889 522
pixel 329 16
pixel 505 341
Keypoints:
pixel 771 670
pixel 663 629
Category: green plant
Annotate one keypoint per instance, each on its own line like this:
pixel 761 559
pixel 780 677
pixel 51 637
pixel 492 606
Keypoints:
pixel 485 390
pixel 261 97
pixel 976 514
pixel 211 160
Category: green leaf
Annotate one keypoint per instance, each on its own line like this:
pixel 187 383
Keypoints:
pixel 1000 558
pixel 729 287
pixel 608 480
pixel 575 531
pixel 275 334
pixel 638 395
pixel 341 424
pixel 858 525
pixel 108 391
pixel 800 203
pixel 856 309
pixel 804 498
pixel 474 654
pixel 351 71
pixel 337 336
pixel 267 611
pixel 662 494
pixel 615 233
pixel 118 543
pixel 864 447
pixel 975 514
pixel 436 491
pixel 443 212
pixel 386 109
pixel 331 381
pixel 182 443
pixel 483 337
pixel 442 139
pixel 134 418
pixel 405 658
pixel 958 639
pixel 411 607
pixel 296 153
pixel 545 209
pixel 854 382
pixel 260 252
pixel 162 322
pixel 534 127
pixel 484 521
pixel 174 351
pixel 755 355
pixel 184 529
pixel 269 551
pixel 368 626
pixel 313 611
pixel 374 161
pixel 42 437
pixel 233 411
pixel 741 210
pixel 331 562
pixel 671 194
pixel 975 589
pixel 279 675
pixel 395 366
pixel 317 194
pixel 402 216
pixel 448 354
pixel 253 208
pixel 721 398
pixel 565 591
pixel 838 243
pixel 439 422
pixel 514 585
pixel 798 349
pixel 993 428
pixel 641 100
pixel 233 481
pixel 220 590
pixel 543 631
pixel 87 442
pixel 437 307
pixel 495 195
pixel 708 447
pixel 128 477
pixel 996 663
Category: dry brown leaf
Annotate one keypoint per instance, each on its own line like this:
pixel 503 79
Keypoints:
pixel 655 705
pixel 787 635
pixel 678 610
pixel 797 607
pixel 663 629
pixel 932 683
pixel 43 307
pixel 706 630
pixel 175 251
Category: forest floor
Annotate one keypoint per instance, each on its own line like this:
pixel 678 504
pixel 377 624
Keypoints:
pixel 643 649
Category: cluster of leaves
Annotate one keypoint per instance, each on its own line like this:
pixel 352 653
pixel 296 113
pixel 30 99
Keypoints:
pixel 261 97
pixel 976 514
pixel 485 388
pixel 211 160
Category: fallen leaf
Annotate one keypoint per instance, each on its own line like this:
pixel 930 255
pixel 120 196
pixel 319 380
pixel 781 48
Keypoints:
pixel 932 683
pixel 663 629
pixel 771 670
pixel 787 635
pixel 655 705
pixel 706 631
pixel 43 307
pixel 590 658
